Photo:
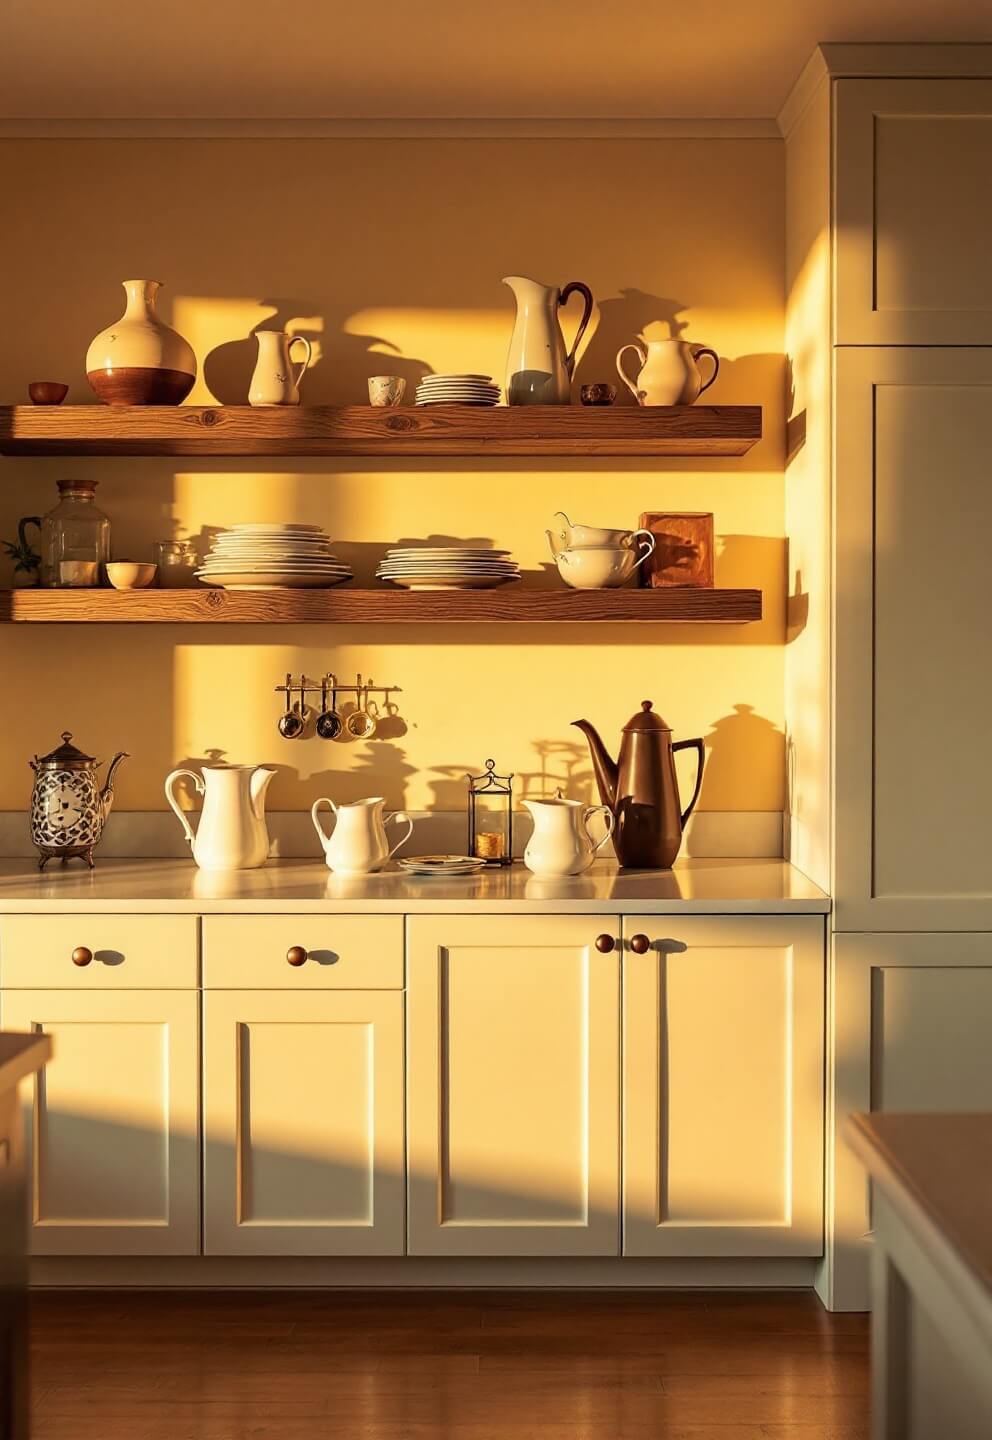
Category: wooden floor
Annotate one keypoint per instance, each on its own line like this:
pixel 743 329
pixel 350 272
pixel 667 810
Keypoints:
pixel 469 1366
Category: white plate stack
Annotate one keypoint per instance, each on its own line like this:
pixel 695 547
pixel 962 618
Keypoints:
pixel 441 865
pixel 272 557
pixel 457 390
pixel 447 567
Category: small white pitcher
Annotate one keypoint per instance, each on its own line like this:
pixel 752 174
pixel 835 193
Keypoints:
pixel 274 381
pixel 358 845
pixel 561 843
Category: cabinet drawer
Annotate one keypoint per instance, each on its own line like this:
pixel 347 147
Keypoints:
pixel 129 952
pixel 343 952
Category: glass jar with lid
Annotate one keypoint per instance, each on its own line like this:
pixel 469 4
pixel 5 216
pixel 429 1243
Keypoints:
pixel 75 538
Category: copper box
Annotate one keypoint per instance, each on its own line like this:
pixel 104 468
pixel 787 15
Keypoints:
pixel 683 553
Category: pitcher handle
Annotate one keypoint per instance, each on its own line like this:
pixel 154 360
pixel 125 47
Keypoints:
pixel 170 795
pixel 642 356
pixel 325 839
pixel 705 350
pixel 650 539
pixel 611 820
pixel 22 526
pixel 696 745
pixel 399 815
pixel 302 340
pixel 576 287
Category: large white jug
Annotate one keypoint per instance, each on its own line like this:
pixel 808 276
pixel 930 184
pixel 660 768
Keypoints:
pixel 358 845
pixel 561 843
pixel 538 368
pixel 231 834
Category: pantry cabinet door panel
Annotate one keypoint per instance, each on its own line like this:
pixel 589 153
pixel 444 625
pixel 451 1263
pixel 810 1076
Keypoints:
pixel 913 1017
pixel 303 1123
pixel 513 1088
pixel 913 687
pixel 913 212
pixel 113 1142
pixel 723 1086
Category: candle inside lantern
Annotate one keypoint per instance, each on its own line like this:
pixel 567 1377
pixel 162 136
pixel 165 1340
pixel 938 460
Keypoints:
pixel 490 845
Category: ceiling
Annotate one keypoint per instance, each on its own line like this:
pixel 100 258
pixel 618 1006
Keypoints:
pixel 418 59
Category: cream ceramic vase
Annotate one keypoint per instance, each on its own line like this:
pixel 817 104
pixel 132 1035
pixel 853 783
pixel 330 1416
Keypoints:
pixel 276 380
pixel 231 834
pixel 140 360
pixel 358 845
pixel 669 373
pixel 561 843
pixel 538 367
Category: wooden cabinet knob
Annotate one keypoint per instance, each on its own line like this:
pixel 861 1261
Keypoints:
pixel 640 944
pixel 296 955
pixel 81 956
pixel 605 943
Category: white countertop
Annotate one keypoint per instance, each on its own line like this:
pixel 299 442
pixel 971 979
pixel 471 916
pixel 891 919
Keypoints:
pixel 701 887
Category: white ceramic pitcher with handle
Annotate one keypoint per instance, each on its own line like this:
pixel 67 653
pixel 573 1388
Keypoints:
pixel 561 843
pixel 231 834
pixel 669 372
pixel 276 380
pixel 358 845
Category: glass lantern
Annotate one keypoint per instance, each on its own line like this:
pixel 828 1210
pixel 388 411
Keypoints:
pixel 490 816
pixel 75 538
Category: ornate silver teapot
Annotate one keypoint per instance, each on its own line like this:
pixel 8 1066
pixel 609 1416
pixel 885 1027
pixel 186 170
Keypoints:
pixel 68 809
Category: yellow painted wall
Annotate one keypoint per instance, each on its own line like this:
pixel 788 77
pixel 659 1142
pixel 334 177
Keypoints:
pixel 389 254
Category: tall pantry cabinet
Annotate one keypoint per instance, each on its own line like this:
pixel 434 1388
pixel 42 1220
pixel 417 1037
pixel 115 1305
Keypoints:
pixel 889 514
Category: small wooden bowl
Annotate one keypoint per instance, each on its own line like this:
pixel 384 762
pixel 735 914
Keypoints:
pixel 47 392
pixel 598 394
pixel 130 574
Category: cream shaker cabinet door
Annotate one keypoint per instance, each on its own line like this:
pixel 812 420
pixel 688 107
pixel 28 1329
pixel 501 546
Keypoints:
pixel 912 1027
pixel 913 689
pixel 303 1122
pixel 513 1045
pixel 723 1085
pixel 913 210
pixel 113 1143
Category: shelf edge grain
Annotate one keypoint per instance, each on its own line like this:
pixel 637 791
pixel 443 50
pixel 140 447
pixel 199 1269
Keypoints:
pixel 239 430
pixel 510 605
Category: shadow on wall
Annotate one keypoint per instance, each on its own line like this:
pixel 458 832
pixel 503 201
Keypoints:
pixel 338 374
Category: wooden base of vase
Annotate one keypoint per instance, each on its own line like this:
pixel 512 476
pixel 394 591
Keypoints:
pixel 140 385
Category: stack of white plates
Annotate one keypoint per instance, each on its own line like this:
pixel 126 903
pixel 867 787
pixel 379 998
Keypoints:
pixel 441 865
pixel 457 390
pixel 447 567
pixel 272 557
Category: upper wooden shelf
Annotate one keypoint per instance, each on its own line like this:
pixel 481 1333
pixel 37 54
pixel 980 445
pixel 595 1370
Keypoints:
pixel 384 606
pixel 565 430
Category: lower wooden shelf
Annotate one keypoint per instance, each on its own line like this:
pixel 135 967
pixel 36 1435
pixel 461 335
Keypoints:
pixel 508 605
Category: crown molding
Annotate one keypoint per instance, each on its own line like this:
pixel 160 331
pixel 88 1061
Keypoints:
pixel 397 129
pixel 813 75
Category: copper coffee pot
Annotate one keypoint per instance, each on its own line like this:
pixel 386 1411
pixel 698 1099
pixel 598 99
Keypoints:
pixel 641 789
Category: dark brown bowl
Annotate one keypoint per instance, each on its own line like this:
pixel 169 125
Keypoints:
pixel 598 394
pixel 47 392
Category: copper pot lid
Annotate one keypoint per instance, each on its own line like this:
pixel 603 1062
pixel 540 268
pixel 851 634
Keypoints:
pixel 645 719
pixel 67 756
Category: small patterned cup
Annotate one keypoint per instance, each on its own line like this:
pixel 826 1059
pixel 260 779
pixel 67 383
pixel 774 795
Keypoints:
pixel 386 389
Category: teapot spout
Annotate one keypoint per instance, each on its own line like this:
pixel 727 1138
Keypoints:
pixel 257 787
pixel 107 793
pixel 602 763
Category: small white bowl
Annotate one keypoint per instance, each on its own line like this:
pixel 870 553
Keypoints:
pixel 601 568
pixel 131 574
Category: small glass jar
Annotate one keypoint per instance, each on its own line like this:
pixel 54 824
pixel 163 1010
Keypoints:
pixel 75 539
pixel 177 561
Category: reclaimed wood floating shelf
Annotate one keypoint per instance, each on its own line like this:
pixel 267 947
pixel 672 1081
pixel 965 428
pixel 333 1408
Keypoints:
pixel 505 605
pixel 564 430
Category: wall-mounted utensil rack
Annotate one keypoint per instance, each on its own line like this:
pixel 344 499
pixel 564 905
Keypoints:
pixel 510 604
pixel 576 431
pixel 329 682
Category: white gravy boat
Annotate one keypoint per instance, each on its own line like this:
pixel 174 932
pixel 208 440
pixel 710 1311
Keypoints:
pixel 358 845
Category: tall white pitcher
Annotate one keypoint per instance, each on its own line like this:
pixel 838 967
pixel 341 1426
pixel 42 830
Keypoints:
pixel 538 367
pixel 231 834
